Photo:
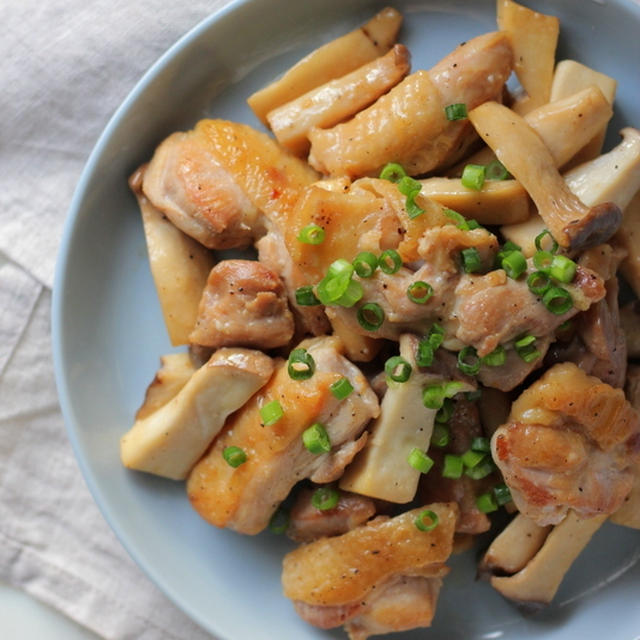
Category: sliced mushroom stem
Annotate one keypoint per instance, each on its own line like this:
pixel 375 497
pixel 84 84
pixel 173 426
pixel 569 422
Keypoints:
pixel 536 584
pixel 573 224
pixel 337 100
pixel 512 550
pixel 330 61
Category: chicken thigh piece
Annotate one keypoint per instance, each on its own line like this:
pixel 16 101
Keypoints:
pixel 244 497
pixel 218 181
pixel 244 305
pixel 381 577
pixel 571 442
pixel 408 125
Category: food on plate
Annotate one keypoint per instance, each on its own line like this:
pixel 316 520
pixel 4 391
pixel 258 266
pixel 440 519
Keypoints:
pixel 433 330
pixel 171 439
pixel 382 576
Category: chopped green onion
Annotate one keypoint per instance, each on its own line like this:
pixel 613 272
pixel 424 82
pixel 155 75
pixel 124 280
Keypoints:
pixel 393 172
pixel 445 411
pixel 436 335
pixel 473 176
pixel 311 234
pixel 428 515
pixel 482 470
pixel 365 264
pixel 316 439
pixel 441 435
pixel 453 466
pixel 433 396
pixel 557 300
pixel 370 316
pixel 340 267
pixel 451 389
pixel 469 225
pixel 496 358
pixel 397 369
pixel 471 262
pixel 511 246
pixel 234 456
pixel 340 289
pixel 419 292
pixel 271 413
pixel 542 260
pixel 410 188
pixel 468 361
pixel 562 269
pixel 424 353
pixel 502 494
pixel 458 218
pixel 486 503
pixel 496 171
pixel 457 111
pixel 279 521
pixel 325 498
pixel 419 460
pixel 538 282
pixel 305 296
pixel 539 239
pixel 472 458
pixel 390 261
pixel 341 388
pixel 301 365
pixel 515 264
pixel 481 443
pixel 526 348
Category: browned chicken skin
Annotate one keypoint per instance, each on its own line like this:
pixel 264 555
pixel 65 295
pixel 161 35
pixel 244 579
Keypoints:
pixel 243 304
pixel 244 498
pixel 571 442
pixel 370 578
pixel 408 125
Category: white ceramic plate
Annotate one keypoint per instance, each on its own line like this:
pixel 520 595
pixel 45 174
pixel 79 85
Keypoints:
pixel 108 331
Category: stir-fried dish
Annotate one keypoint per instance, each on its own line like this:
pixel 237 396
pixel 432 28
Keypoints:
pixel 431 332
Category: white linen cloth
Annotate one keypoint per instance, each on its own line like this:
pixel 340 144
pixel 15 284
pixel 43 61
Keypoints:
pixel 65 67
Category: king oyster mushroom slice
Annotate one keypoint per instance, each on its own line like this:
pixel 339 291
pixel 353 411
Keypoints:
pixel 170 440
pixel 613 177
pixel 514 547
pixel 330 61
pixel 381 469
pixel 573 224
pixel 537 583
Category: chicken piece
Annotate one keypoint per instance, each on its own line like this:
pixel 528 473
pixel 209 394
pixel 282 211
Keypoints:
pixel 383 576
pixel 408 125
pixel 335 101
pixel 217 182
pixel 468 306
pixel 186 182
pixel 306 523
pixel 464 425
pixel 244 498
pixel 598 345
pixel 368 215
pixel 571 442
pixel 481 301
pixel 169 440
pixel 243 305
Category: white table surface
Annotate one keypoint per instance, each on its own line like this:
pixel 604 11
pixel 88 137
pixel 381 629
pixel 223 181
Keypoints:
pixel 25 618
